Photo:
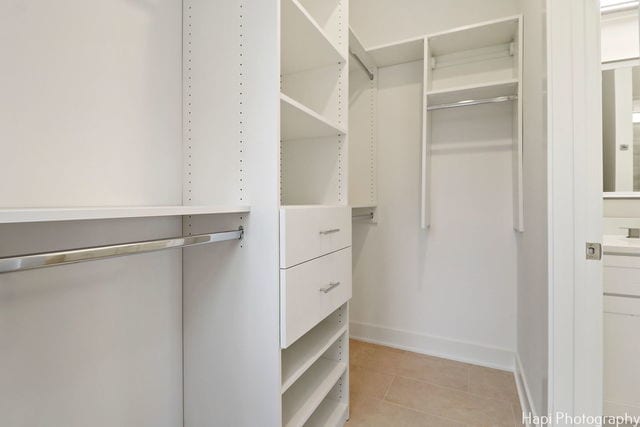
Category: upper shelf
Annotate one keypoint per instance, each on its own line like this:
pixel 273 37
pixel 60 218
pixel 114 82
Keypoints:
pixel 8 216
pixel 470 92
pixel 492 33
pixel 304 44
pixel 398 53
pixel 300 122
pixel 472 37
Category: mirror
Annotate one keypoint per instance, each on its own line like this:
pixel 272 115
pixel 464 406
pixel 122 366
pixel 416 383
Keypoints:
pixel 621 129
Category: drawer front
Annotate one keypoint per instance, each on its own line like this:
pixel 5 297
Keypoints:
pixel 310 232
pixel 621 368
pixel 311 291
pixel 622 280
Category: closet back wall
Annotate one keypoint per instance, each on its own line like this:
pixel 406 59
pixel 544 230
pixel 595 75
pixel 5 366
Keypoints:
pixel 83 123
pixel 449 290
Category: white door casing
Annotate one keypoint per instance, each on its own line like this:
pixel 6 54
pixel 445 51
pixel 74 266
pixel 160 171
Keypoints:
pixel 575 208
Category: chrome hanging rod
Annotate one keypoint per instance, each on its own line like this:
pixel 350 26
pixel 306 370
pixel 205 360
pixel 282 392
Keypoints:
pixel 363 216
pixel 611 294
pixel 619 7
pixel 614 253
pixel 362 65
pixel 469 102
pixel 51 259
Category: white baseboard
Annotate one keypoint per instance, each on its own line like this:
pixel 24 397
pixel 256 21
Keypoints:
pixel 461 351
pixel 526 403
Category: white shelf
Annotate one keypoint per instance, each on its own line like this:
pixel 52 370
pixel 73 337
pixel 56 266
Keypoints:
pixel 304 352
pixel 398 53
pixel 304 397
pixel 331 413
pixel 477 91
pixel 304 44
pixel 87 213
pixel 473 37
pixel 462 39
pixel 300 122
pixel 462 146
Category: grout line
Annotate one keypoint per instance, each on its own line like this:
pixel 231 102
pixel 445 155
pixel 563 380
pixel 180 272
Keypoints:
pixel 468 389
pixel 424 413
pixel 389 388
pixel 510 403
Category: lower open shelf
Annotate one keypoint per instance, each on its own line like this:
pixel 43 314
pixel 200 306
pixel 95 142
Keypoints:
pixel 309 348
pixel 303 398
pixel 331 413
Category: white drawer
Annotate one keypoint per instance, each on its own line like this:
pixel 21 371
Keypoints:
pixel 621 368
pixel 621 280
pixel 311 291
pixel 307 232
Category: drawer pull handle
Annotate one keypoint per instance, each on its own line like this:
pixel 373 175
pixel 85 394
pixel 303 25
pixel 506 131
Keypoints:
pixel 333 230
pixel 331 286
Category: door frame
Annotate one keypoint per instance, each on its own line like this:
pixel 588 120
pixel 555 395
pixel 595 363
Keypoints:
pixel 575 208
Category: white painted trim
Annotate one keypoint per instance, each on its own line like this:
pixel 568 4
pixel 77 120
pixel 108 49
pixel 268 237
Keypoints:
pixel 461 351
pixel 575 207
pixel 524 393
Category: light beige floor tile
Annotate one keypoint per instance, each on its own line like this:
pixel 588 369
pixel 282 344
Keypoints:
pixel 365 382
pixel 381 359
pixel 369 412
pixel 358 351
pixel 435 370
pixel 450 404
pixel 493 383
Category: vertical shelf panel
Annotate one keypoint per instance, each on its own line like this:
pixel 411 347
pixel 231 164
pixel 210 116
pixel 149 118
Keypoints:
pixel 425 196
pixel 363 94
pixel 518 186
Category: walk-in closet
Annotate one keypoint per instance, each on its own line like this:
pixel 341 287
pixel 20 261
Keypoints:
pixel 285 213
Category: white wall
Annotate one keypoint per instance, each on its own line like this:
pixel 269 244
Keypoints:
pixel 450 290
pixel 620 36
pixel 532 245
pixel 96 343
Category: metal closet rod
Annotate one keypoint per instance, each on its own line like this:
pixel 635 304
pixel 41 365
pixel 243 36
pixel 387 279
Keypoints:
pixel 72 256
pixel 368 216
pixel 614 253
pixel 470 102
pixel 362 65
pixel 612 294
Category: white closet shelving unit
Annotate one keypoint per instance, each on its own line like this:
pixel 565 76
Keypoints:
pixel 315 220
pixel 475 64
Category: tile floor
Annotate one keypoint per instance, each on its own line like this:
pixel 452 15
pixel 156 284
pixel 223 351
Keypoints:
pixel 396 388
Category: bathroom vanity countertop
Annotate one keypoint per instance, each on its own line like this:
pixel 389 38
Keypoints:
pixel 620 244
